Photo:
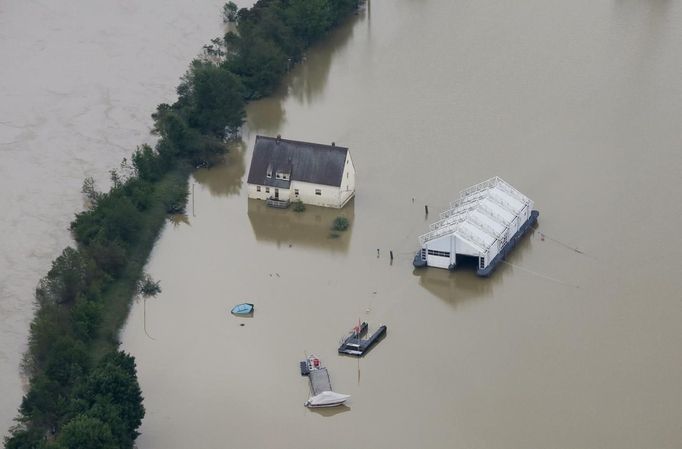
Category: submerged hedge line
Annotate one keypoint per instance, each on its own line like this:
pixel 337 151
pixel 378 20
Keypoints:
pixel 83 390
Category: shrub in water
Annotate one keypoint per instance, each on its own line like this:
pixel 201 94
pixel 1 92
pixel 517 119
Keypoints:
pixel 340 224
pixel 299 206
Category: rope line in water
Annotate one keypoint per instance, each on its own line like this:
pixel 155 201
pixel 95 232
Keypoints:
pixel 568 246
pixel 543 276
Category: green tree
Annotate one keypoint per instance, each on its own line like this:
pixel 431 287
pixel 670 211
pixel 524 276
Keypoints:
pixel 86 432
pixel 230 12
pixel 65 280
pixel 260 64
pixel 148 165
pixel 114 382
pixel 310 18
pixel 67 361
pixel 216 99
pixel 86 317
pixel 43 404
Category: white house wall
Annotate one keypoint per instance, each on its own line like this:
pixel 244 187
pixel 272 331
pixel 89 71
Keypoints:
pixel 264 194
pixel 347 188
pixel 330 196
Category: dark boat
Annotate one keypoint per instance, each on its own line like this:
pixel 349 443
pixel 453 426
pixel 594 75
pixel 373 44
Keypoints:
pixel 355 343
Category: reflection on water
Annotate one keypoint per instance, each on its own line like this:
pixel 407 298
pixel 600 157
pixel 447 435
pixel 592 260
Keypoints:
pixel 330 411
pixel 225 178
pixel 307 80
pixel 454 287
pixel 311 228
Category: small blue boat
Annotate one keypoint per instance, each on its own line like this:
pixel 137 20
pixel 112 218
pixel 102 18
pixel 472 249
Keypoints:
pixel 242 309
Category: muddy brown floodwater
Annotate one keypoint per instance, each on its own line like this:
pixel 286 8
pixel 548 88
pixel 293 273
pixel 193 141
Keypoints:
pixel 78 82
pixel 575 103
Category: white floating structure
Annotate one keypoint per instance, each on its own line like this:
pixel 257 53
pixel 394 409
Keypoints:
pixel 485 222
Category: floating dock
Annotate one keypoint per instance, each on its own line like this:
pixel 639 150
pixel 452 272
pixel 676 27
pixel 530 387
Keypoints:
pixel 317 375
pixel 355 344
pixel 319 381
pixel 485 272
pixel 485 223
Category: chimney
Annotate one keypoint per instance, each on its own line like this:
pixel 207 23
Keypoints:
pixel 333 144
pixel 279 137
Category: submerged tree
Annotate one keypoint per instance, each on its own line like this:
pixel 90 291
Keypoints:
pixel 230 12
pixel 148 286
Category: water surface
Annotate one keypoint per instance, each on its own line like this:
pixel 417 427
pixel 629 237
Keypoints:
pixel 577 104
pixel 78 82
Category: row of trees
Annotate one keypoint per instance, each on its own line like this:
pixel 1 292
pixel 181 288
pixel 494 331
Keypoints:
pixel 84 391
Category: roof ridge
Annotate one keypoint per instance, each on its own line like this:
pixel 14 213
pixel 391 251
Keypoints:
pixel 314 144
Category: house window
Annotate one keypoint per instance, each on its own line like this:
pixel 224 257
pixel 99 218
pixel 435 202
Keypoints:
pixel 257 188
pixel 267 190
pixel 296 192
pixel 318 192
pixel 438 253
pixel 269 174
pixel 278 176
pixel 285 177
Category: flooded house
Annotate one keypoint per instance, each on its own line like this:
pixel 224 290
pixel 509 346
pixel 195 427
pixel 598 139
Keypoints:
pixel 484 224
pixel 284 171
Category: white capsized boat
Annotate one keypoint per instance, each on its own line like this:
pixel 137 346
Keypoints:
pixel 327 399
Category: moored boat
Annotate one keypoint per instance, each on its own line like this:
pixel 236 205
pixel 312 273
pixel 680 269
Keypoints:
pixel 242 309
pixel 327 399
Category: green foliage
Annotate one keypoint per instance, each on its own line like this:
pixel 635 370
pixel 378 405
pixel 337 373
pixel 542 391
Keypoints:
pixel 67 361
pixel 23 438
pixel 86 432
pixel 148 165
pixel 230 12
pixel 86 316
pixel 65 280
pixel 260 64
pixel 299 206
pixel 309 18
pixel 112 391
pixel 175 198
pixel 340 224
pixel 109 256
pixel 148 286
pixel 215 99
pixel 44 403
pixel 90 191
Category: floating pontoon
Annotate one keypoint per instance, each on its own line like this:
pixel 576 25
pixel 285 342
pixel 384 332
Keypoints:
pixel 355 343
pixel 485 222
pixel 320 385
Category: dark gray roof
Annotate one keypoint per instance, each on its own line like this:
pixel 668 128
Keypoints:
pixel 306 162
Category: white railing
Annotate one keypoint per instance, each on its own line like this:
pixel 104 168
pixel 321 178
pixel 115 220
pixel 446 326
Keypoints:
pixel 488 183
pixel 454 217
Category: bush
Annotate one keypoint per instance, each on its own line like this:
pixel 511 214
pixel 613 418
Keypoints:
pixel 299 206
pixel 340 224
pixel 65 280
pixel 175 198
pixel 230 12
pixel 148 286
